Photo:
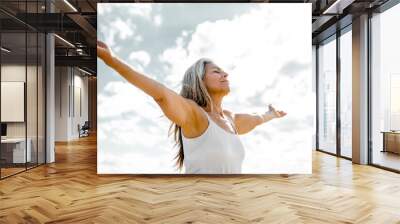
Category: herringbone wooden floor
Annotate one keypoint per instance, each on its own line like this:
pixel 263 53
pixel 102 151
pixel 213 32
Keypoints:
pixel 70 191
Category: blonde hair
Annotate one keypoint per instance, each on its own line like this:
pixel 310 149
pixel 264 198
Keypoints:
pixel 193 88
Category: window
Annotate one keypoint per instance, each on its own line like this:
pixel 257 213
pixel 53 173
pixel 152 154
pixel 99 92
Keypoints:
pixel 327 95
pixel 346 92
pixel 385 88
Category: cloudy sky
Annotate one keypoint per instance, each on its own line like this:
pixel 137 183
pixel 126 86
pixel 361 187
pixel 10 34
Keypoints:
pixel 266 50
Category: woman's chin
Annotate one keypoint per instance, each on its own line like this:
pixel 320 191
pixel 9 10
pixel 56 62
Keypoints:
pixel 221 91
pixel 226 90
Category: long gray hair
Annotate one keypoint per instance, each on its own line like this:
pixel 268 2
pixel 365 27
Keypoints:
pixel 192 88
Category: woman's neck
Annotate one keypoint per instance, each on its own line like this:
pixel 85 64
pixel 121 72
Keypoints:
pixel 217 104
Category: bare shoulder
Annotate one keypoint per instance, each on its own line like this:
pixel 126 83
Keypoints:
pixel 191 102
pixel 193 105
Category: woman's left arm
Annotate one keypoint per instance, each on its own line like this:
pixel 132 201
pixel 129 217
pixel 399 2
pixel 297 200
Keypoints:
pixel 247 122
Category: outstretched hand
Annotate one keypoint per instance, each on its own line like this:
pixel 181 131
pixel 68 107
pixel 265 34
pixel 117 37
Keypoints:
pixel 104 52
pixel 276 113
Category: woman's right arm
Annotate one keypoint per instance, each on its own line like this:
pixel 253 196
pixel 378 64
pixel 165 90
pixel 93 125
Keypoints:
pixel 177 108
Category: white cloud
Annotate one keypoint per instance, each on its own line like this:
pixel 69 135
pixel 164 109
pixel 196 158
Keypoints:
pixel 122 97
pixel 116 28
pixel 125 29
pixel 109 35
pixel 103 8
pixel 157 20
pixel 138 38
pixel 130 125
pixel 140 9
pixel 134 163
pixel 249 50
pixel 140 56
pixel 185 33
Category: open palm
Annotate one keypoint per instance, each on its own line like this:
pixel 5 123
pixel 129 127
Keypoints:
pixel 103 51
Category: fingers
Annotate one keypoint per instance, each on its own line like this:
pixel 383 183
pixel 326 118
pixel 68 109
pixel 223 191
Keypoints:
pixel 281 113
pixel 278 113
pixel 101 44
pixel 100 51
pixel 270 107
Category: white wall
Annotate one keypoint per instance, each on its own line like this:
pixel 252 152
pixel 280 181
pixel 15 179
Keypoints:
pixel 61 103
pixel 70 83
pixel 80 84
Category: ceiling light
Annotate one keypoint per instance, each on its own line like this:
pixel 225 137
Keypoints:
pixel 70 5
pixel 79 51
pixel 5 50
pixel 65 41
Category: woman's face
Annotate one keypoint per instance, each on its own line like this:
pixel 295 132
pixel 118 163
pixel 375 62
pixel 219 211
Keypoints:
pixel 216 80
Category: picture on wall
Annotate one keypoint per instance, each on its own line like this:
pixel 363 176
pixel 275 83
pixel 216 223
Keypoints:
pixel 12 100
pixel 194 88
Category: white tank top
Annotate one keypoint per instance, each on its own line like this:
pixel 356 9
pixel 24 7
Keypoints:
pixel 216 151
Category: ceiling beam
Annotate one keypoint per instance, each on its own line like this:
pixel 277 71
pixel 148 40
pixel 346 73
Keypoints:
pixel 337 6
